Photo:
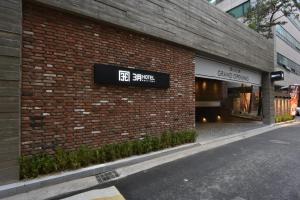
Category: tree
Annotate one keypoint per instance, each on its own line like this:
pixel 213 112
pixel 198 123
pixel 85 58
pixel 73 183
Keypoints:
pixel 266 14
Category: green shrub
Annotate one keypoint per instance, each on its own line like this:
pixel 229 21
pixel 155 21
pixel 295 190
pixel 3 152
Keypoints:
pixel 166 140
pixel 283 118
pixel 109 152
pixel 84 156
pixel 28 168
pixel 73 160
pixel 126 149
pixel 48 164
pixel 61 158
pixel 99 156
pixel 33 166
pixel 146 144
pixel 155 143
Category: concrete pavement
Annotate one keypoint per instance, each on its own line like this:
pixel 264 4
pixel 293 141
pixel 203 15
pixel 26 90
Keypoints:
pixel 110 193
pixel 211 131
pixel 124 167
pixel 264 167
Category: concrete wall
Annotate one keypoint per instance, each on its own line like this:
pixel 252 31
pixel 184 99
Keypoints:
pixel 290 27
pixel 268 99
pixel 283 48
pixel 280 46
pixel 289 52
pixel 290 78
pixel 10 58
pixel 192 23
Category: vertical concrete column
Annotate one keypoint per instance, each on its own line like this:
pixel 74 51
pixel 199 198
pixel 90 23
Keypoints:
pixel 10 61
pixel 268 99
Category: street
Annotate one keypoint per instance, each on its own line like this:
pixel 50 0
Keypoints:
pixel 264 167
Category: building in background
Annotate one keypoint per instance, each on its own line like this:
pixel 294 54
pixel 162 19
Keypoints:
pixel 287 54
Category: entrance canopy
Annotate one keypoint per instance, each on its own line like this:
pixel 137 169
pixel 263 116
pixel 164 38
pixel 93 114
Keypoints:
pixel 219 71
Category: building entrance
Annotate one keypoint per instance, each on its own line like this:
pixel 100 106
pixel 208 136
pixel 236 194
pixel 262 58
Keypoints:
pixel 222 101
pixel 226 93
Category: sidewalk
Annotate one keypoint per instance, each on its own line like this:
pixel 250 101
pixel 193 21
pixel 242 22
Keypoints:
pixel 110 193
pixel 211 131
pixel 66 182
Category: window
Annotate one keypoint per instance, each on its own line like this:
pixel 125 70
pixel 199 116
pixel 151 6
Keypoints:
pixel 288 64
pixel 295 21
pixel 287 38
pixel 240 10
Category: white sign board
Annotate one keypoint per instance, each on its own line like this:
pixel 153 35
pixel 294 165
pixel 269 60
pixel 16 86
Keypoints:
pixel 220 71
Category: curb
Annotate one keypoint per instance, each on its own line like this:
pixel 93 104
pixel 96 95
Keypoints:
pixel 69 176
pixel 286 122
pixel 72 181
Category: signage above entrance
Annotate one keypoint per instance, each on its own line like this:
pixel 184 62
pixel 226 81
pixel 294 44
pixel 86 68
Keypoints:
pixel 277 76
pixel 214 70
pixel 115 75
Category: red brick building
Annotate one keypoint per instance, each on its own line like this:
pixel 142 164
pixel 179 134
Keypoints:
pixel 49 96
pixel 61 104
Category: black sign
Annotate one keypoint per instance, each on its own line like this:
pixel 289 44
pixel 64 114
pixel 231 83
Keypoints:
pixel 115 75
pixel 277 76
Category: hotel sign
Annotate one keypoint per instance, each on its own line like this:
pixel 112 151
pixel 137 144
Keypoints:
pixel 214 70
pixel 277 76
pixel 115 75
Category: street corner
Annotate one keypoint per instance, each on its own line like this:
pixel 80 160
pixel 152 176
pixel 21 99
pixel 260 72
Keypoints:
pixel 110 193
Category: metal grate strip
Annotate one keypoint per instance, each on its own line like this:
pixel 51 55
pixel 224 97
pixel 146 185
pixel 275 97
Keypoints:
pixel 106 176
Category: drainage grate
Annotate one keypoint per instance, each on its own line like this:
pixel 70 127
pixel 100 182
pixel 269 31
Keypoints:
pixel 106 176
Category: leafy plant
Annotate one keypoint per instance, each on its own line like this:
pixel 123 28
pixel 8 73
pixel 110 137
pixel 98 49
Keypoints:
pixel 155 143
pixel 73 160
pixel 126 149
pixel 266 14
pixel 61 159
pixel 166 140
pixel 33 166
pixel 283 118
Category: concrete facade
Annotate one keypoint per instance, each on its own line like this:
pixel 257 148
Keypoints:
pixel 192 23
pixel 61 105
pixel 10 58
pixel 281 46
pixel 268 99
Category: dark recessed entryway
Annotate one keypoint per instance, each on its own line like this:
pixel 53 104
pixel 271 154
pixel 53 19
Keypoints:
pixel 226 93
pixel 223 101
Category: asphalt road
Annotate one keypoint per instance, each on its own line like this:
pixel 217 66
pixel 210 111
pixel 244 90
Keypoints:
pixel 264 167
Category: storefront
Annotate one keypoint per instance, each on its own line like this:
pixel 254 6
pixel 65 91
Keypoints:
pixel 286 100
pixel 225 92
pixel 294 93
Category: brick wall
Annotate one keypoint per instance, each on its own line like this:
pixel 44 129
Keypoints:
pixel 61 105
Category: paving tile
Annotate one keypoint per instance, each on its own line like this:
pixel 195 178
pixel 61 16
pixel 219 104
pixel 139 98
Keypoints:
pixel 210 131
pixel 110 193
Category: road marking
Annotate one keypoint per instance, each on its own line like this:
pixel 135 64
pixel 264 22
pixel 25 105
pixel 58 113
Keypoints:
pixel 110 193
pixel 279 142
